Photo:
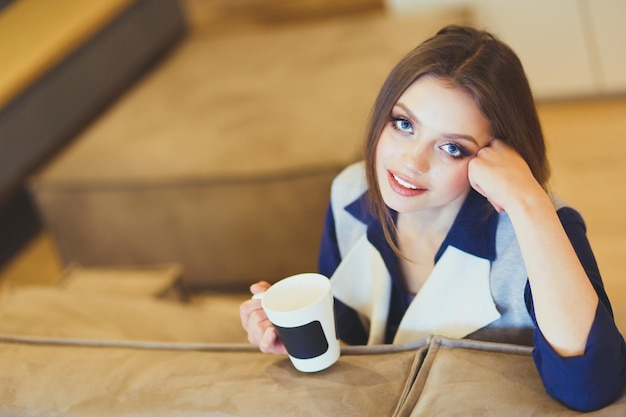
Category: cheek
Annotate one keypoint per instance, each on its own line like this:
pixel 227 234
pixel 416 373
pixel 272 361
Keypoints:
pixel 386 150
pixel 456 179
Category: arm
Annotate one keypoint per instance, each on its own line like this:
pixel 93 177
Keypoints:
pixel 596 378
pixel 564 299
pixel 579 352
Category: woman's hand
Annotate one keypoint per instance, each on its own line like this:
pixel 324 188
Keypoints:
pixel 260 330
pixel 502 176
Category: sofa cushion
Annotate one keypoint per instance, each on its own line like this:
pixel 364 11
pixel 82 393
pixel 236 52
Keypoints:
pixel 114 304
pixel 81 379
pixel 152 281
pixel 470 378
pixel 437 377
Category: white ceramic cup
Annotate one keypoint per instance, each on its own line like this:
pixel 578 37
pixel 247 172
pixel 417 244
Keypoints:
pixel 301 309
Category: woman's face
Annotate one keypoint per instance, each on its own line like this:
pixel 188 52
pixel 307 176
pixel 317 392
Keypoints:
pixel 424 150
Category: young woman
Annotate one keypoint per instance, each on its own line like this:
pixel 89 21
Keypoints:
pixel 447 226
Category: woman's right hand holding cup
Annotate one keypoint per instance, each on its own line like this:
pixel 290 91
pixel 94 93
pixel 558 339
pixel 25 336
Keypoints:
pixel 261 331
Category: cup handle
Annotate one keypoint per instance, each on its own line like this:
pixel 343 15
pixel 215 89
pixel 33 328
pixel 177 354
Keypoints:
pixel 258 296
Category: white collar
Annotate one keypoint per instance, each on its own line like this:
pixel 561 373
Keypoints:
pixel 454 301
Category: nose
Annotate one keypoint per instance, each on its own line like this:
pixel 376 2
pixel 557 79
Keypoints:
pixel 417 157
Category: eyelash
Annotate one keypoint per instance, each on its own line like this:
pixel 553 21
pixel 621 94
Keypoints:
pixel 462 152
pixel 396 120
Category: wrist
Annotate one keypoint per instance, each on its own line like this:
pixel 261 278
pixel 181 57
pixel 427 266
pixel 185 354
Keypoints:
pixel 529 203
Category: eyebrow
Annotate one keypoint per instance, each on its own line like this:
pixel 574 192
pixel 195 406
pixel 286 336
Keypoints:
pixel 458 136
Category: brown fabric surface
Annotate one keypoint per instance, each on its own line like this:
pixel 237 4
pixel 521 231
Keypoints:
pixel 147 281
pixel 467 378
pixel 223 235
pixel 455 378
pixel 54 313
pixel 222 159
pixel 227 15
pixel 291 99
pixel 84 349
pixel 65 352
pixel 120 304
pixel 46 380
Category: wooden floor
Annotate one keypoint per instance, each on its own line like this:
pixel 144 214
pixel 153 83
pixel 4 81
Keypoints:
pixel 587 147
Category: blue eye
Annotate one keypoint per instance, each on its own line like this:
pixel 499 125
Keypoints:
pixel 454 150
pixel 402 125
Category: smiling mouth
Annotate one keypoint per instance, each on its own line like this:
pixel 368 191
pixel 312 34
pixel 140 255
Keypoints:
pixel 403 187
pixel 404 183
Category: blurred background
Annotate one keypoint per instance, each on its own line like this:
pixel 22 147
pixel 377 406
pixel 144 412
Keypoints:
pixel 313 57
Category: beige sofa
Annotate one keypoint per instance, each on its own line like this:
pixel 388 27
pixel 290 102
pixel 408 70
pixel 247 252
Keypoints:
pixel 213 172
pixel 121 343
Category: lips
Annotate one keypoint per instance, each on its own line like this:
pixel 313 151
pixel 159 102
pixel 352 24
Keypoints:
pixel 404 186
pixel 405 183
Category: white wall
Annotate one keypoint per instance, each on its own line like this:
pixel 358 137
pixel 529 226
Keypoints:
pixel 569 48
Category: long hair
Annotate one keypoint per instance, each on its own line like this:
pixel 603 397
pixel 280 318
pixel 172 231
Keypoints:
pixel 490 72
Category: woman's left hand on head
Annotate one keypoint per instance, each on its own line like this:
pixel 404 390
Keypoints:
pixel 500 174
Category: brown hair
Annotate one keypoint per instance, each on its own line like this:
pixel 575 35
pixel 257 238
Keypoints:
pixel 490 72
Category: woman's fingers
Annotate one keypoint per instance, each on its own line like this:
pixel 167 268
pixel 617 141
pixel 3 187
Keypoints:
pixel 249 306
pixel 259 287
pixel 270 343
pixel 261 331
pixel 246 309
pixel 258 325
